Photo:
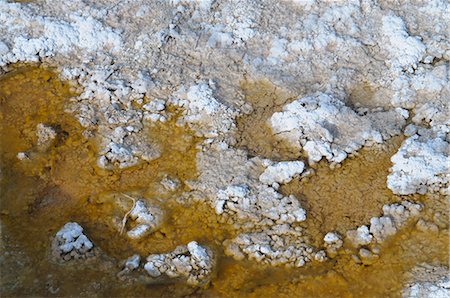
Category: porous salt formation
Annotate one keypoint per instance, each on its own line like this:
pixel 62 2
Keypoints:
pixel 237 194
pixel 71 243
pixel 359 67
pixel 294 51
pixel 427 280
pixel 422 164
pixel 323 126
pixel 440 289
pixel 204 113
pixel 246 200
pixel 281 172
pixel 147 219
pixel 278 245
pixel 395 216
pixel 191 262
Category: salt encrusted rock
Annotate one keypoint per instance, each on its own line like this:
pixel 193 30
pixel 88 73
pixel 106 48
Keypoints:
pixel 276 246
pixel 281 172
pixel 125 148
pixel 395 216
pixel 191 262
pixel 360 236
pixel 333 242
pixel 382 227
pixel 401 212
pixel 147 219
pixel 324 127
pixel 229 182
pixel 263 207
pixel 70 243
pixel 320 256
pixel 422 164
pixel 428 280
pixel 154 110
pixel 333 238
pixel 203 112
pixel 46 134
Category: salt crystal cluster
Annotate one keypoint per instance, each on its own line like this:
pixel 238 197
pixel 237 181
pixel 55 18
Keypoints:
pixel 422 164
pixel 332 242
pixel 264 207
pixel 323 126
pixel 277 245
pixel 203 112
pixel 281 172
pixel 427 280
pixel 241 199
pixel 367 238
pixel 71 243
pixel 192 262
pixel 395 216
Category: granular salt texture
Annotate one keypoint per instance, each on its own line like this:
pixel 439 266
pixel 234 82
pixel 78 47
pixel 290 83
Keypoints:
pixel 124 54
pixel 229 182
pixel 325 127
pixel 70 243
pixel 276 246
pixel 191 262
pixel 222 43
pixel 203 112
pixel 428 280
pixel 422 164
pixel 404 51
pixel 440 289
pixel 395 216
pixel 266 207
pixel 281 172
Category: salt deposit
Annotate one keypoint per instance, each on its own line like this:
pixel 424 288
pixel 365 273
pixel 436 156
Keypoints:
pixel 360 73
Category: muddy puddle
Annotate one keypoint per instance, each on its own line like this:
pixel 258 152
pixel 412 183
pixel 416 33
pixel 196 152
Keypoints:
pixel 63 183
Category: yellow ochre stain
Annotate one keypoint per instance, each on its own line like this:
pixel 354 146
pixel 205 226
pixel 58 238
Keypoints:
pixel 38 196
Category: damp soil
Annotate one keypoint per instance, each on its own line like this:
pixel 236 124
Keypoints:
pixel 63 183
pixel 255 135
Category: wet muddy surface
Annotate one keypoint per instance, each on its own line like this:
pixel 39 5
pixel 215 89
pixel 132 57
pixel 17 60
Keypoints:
pixel 62 183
